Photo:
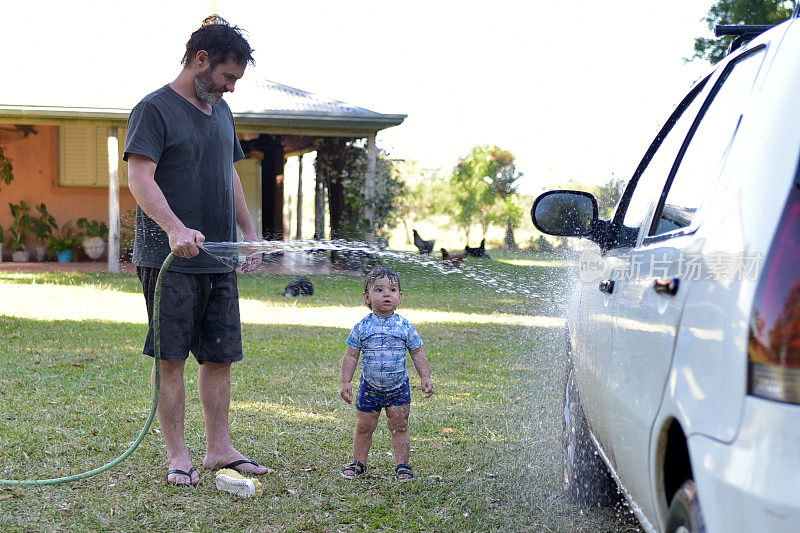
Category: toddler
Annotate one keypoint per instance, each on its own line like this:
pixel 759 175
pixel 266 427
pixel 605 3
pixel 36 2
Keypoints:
pixel 383 338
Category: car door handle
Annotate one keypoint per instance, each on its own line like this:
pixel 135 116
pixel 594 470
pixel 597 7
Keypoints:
pixel 667 286
pixel 607 286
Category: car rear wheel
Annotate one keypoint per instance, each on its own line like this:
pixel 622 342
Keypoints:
pixel 685 515
pixel 586 477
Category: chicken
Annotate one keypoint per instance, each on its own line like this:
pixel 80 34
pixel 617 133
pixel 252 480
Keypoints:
pixel 480 251
pixel 453 260
pixel 425 247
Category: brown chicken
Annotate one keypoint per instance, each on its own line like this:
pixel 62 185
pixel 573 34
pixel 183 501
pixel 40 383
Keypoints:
pixel 453 260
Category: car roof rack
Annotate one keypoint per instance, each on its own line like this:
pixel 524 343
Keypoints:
pixel 743 32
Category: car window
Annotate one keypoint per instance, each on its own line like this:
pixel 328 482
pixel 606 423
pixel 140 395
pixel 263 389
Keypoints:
pixel 651 181
pixel 706 146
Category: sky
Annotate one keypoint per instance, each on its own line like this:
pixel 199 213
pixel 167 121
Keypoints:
pixel 575 90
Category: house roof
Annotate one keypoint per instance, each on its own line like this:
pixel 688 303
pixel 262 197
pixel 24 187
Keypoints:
pixel 264 101
pixel 257 105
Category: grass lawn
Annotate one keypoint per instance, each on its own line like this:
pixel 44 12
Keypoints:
pixel 485 447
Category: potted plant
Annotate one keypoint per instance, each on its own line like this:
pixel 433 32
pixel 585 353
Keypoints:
pixel 64 243
pixel 94 236
pixel 42 228
pixel 18 230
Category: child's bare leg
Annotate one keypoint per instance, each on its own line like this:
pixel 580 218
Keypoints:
pixel 362 440
pixel 397 420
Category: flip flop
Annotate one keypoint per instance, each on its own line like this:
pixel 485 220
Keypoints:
pixel 183 473
pixel 232 465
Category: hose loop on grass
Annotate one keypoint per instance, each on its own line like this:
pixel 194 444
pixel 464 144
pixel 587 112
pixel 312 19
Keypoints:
pixel 153 407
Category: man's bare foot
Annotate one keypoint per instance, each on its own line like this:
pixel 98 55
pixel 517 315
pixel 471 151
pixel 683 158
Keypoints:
pixel 235 461
pixel 181 477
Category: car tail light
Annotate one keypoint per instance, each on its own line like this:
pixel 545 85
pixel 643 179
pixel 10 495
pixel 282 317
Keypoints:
pixel 774 347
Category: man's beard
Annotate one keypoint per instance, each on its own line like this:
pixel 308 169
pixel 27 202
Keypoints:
pixel 204 88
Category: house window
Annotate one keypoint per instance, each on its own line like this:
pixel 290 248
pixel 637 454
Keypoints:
pixel 83 156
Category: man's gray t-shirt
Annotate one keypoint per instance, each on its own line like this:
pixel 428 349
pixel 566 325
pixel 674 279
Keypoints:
pixel 194 153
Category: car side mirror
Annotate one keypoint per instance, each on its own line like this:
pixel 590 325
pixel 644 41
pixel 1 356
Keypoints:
pixel 565 213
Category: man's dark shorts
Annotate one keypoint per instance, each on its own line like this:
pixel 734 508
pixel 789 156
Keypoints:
pixel 199 313
pixel 369 399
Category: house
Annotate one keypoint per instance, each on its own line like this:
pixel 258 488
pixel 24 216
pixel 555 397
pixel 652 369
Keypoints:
pixel 70 156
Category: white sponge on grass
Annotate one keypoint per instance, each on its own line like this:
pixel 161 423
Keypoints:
pixel 229 480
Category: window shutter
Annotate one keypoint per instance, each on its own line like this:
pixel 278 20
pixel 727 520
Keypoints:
pixel 101 156
pixel 123 166
pixel 83 156
pixel 76 156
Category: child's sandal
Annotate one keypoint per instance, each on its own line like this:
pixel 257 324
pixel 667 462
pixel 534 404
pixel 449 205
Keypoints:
pixel 403 469
pixel 353 470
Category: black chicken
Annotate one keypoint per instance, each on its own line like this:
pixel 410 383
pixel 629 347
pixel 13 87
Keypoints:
pixel 425 247
pixel 480 251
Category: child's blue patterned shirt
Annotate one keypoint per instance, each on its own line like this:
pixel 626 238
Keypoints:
pixel 383 342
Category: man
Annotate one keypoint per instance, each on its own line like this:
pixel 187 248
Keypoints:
pixel 180 149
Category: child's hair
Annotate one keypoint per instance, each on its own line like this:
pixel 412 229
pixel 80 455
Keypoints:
pixel 378 273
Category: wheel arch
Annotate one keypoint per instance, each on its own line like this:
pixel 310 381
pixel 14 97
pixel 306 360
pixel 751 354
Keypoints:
pixel 673 464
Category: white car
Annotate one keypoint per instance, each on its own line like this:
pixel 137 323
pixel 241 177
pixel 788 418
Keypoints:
pixel 683 334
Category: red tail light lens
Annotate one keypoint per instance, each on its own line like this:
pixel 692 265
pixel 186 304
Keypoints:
pixel 774 348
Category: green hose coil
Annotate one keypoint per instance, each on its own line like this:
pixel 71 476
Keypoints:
pixel 154 406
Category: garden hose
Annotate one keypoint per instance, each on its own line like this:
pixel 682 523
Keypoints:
pixel 156 389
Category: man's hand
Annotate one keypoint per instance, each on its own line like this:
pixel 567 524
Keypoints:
pixel 252 262
pixel 347 392
pixel 186 242
pixel 427 386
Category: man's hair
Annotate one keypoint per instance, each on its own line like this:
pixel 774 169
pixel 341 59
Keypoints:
pixel 378 273
pixel 221 40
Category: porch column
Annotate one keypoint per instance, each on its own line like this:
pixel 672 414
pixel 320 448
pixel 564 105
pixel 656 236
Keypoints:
pixel 319 203
pixel 113 200
pixel 299 234
pixel 272 170
pixel 369 187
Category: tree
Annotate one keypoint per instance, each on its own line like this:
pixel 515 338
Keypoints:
pixel 483 181
pixel 469 202
pixel 608 195
pixel 426 193
pixel 510 213
pixel 504 176
pixel 739 12
pixel 472 190
pixel 344 165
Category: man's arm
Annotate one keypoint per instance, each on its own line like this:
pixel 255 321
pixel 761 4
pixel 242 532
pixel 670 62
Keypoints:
pixel 183 241
pixel 245 223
